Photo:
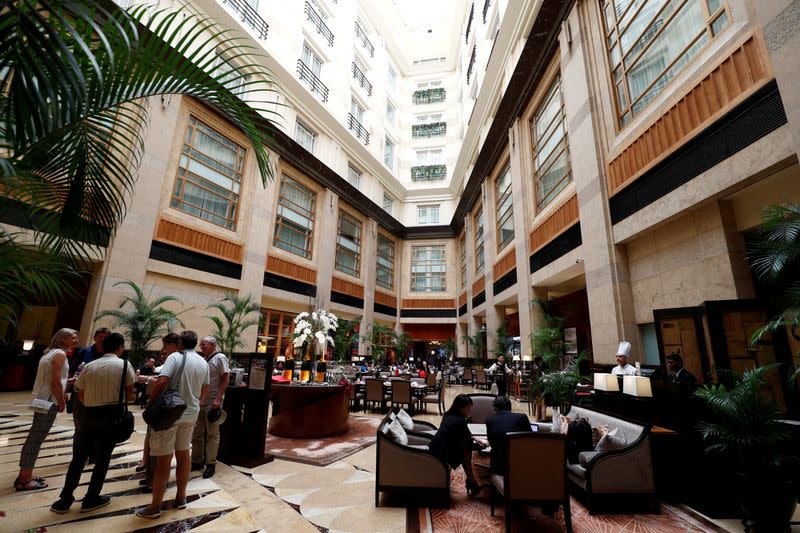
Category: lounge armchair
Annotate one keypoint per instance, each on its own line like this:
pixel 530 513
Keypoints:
pixel 482 407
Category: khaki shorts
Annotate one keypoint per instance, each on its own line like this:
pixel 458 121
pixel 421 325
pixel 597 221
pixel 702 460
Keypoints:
pixel 176 438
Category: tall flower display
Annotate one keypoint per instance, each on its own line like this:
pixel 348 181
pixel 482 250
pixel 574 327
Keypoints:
pixel 314 330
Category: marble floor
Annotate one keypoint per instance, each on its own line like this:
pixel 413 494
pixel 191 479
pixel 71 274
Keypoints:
pixel 281 496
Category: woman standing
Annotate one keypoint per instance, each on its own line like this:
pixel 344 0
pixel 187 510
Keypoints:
pixel 51 380
pixel 452 443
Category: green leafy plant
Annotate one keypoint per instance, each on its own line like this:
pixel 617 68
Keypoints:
pixel 77 79
pixel 235 310
pixel 343 339
pixel 500 341
pixel 377 334
pixel 557 387
pixel 450 347
pixel 548 342
pixel 476 345
pixel 745 430
pixel 400 343
pixel 143 318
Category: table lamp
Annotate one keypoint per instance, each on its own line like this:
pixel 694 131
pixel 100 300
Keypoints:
pixel 606 382
pixel 638 386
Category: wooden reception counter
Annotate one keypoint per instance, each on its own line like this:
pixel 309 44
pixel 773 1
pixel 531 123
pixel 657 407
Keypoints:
pixel 309 411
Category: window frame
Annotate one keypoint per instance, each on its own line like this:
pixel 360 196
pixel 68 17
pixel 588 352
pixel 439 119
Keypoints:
pixel 611 34
pixel 352 170
pixel 429 208
pixel 428 273
pixel 479 223
pixel 500 196
pixel 389 141
pixel 462 243
pixel 278 217
pixel 299 124
pixel 340 247
pixel 551 87
pixel 232 221
pixel 391 260
pixel 390 202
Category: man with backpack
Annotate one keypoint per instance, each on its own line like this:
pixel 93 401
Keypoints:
pixel 187 372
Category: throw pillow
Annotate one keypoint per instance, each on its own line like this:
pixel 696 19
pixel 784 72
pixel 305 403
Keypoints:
pixel 565 424
pixel 613 440
pixel 397 433
pixel 405 420
pixel 597 433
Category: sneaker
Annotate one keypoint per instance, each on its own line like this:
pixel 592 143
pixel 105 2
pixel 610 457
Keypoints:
pixel 62 506
pixel 94 503
pixel 210 469
pixel 197 466
pixel 148 512
pixel 179 504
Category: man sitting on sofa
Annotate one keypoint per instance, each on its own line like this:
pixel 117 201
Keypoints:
pixel 501 422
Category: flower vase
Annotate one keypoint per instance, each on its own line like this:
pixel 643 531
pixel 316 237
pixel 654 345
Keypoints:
pixel 556 427
pixel 322 366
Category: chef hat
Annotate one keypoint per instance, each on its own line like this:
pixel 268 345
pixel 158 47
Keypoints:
pixel 624 348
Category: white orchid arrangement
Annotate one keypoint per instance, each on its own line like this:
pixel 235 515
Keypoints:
pixel 316 327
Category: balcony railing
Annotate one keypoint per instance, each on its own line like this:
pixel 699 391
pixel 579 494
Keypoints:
pixel 486 5
pixel 434 129
pixel 428 172
pixel 355 126
pixel 471 65
pixel 469 22
pixel 316 20
pixel 311 79
pixel 362 36
pixel 249 16
pixel 361 79
pixel 428 96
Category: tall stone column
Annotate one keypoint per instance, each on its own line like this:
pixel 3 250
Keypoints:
pixel 494 316
pixel 326 247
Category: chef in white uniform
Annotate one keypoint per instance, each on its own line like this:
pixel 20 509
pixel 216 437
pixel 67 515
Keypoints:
pixel 623 368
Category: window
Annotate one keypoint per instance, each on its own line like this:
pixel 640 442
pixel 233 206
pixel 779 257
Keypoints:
pixel 385 265
pixel 429 157
pixel 312 60
pixel 478 220
pixel 427 214
pixel 348 245
pixel 391 78
pixel 551 166
pixel 356 110
pixel 279 330
pixel 505 209
pixel 462 245
pixel 388 153
pixel 388 204
pixel 304 136
pixel 353 176
pixel 209 175
pixel 391 113
pixel 294 224
pixel 223 70
pixel 429 84
pixel 428 269
pixel 428 119
pixel 649 41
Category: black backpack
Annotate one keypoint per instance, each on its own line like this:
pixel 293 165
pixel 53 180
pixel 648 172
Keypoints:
pixel 579 439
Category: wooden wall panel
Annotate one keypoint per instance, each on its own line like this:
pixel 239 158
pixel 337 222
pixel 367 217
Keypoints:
pixel 505 264
pixel 347 287
pixel 385 299
pixel 479 286
pixel 462 299
pixel 743 72
pixel 285 268
pixel 428 303
pixel 186 237
pixel 551 227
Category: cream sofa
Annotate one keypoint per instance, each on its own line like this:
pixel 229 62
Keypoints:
pixel 409 467
pixel 626 471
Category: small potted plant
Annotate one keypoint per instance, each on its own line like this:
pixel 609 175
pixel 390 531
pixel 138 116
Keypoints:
pixel 745 430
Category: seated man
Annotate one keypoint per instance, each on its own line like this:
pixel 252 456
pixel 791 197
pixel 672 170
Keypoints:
pixel 497 425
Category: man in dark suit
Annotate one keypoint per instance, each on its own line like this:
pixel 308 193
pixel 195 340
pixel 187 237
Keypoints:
pixel 678 374
pixel 501 422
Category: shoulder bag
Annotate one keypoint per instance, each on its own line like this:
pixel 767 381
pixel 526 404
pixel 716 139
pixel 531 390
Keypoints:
pixel 167 408
pixel 122 426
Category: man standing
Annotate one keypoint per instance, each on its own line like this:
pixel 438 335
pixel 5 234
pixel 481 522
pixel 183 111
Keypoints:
pixel 205 439
pixel 678 374
pixel 188 372
pixel 94 351
pixel 98 389
pixel 500 372
pixel 623 368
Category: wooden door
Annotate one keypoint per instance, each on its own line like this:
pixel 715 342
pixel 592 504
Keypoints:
pixel 681 331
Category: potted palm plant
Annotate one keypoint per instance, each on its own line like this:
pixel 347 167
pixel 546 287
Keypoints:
pixel 744 429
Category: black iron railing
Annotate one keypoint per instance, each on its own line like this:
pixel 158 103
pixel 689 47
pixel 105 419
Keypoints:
pixel 249 16
pixel 355 126
pixel 362 36
pixel 469 22
pixel 428 96
pixel 319 23
pixel 428 172
pixel 486 5
pixel 311 79
pixel 434 129
pixel 361 79
pixel 471 65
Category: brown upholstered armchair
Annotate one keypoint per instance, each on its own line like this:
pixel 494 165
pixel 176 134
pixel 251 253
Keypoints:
pixel 536 472
pixel 482 407
pixel 408 467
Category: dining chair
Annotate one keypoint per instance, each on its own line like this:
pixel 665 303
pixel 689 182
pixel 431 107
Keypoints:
pixel 401 394
pixel 374 393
